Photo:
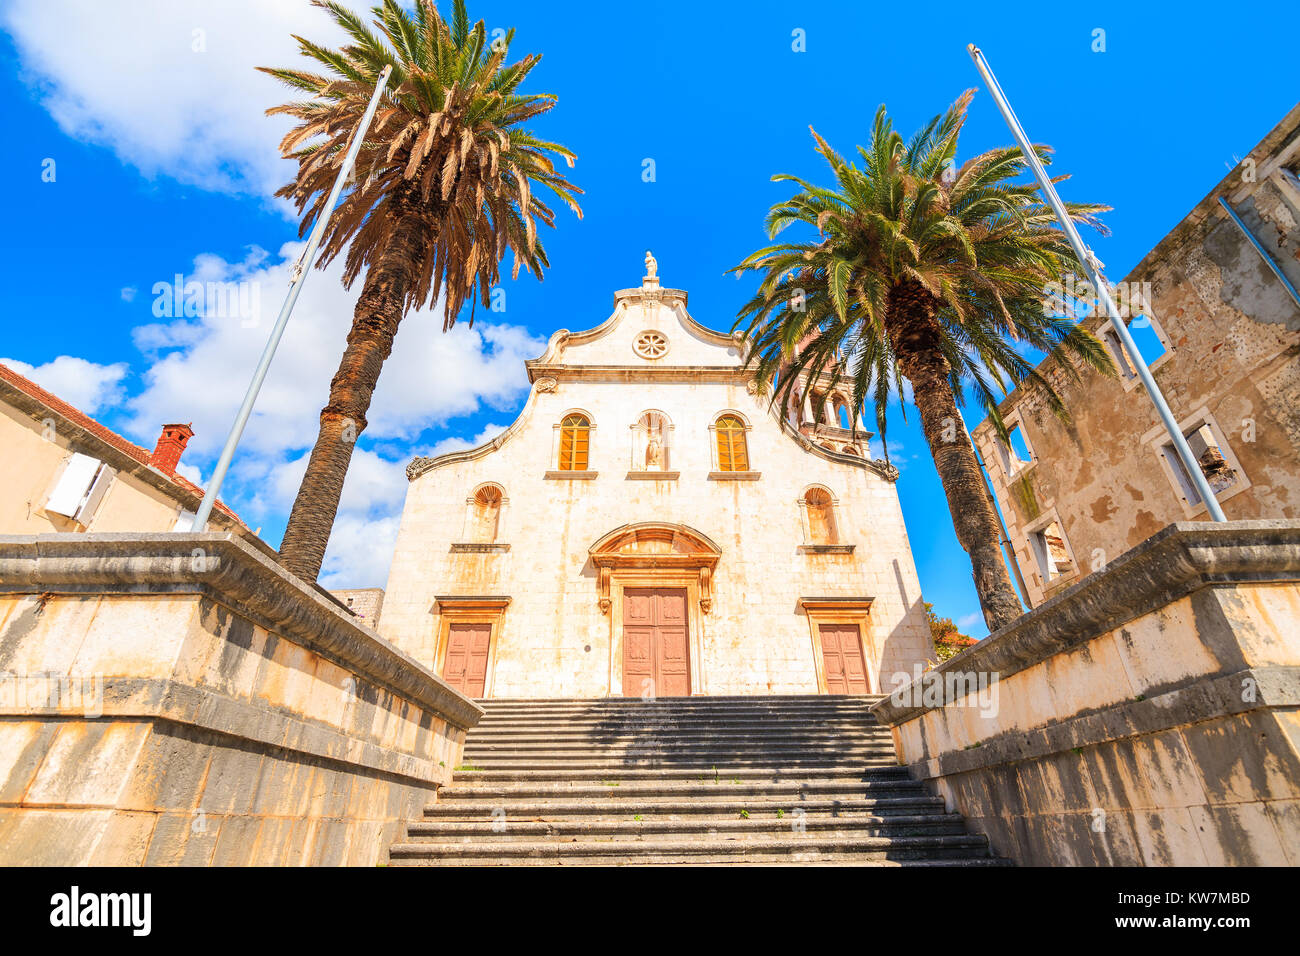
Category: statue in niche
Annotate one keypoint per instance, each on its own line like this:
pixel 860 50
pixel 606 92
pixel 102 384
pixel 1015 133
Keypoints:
pixel 654 452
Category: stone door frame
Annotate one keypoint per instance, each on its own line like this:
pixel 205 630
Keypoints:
pixel 842 610
pixel 469 609
pixel 656 578
pixel 655 554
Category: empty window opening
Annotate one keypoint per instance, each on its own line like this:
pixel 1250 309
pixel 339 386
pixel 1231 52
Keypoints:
pixel 794 407
pixel 1050 553
pixel 1015 451
pixel 1118 353
pixel 818 400
pixel 1148 341
pixel 1207 451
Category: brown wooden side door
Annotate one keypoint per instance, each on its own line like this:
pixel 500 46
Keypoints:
pixel 846 673
pixel 465 667
pixel 656 647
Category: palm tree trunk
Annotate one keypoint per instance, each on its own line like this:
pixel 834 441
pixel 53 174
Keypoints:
pixel 375 320
pixel 915 340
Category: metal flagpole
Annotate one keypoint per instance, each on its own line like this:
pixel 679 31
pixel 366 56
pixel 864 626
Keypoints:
pixel 1093 268
pixel 300 270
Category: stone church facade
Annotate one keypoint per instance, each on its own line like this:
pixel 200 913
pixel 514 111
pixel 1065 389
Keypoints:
pixel 649 525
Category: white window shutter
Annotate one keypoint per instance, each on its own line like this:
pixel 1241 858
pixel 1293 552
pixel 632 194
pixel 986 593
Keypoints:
pixel 185 521
pixel 98 489
pixel 73 485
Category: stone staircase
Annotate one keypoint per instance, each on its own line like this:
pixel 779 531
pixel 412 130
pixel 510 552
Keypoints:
pixel 703 780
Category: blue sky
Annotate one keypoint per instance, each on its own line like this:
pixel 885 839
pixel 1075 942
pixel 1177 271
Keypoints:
pixel 164 165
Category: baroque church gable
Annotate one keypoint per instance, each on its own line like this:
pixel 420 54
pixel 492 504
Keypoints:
pixel 651 337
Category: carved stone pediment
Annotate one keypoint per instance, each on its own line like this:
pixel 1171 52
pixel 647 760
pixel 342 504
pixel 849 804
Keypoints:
pixel 652 545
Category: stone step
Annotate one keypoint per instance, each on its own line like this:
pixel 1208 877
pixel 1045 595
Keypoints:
pixel 549 772
pixel 794 845
pixel 782 700
pixel 601 729
pixel 669 749
pixel 705 761
pixel 804 860
pixel 686 733
pixel 646 711
pixel 701 790
pixel 641 708
pixel 603 769
pixel 558 807
pixel 790 780
pixel 685 706
pixel 704 827
pixel 674 718
pixel 685 739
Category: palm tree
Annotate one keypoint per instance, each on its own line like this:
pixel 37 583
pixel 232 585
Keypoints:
pixel 923 271
pixel 443 187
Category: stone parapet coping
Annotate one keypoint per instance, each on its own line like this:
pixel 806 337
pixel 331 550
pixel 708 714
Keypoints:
pixel 1174 562
pixel 226 569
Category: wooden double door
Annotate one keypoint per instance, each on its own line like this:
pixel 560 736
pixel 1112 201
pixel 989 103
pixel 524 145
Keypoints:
pixel 656 643
pixel 846 673
pixel 465 665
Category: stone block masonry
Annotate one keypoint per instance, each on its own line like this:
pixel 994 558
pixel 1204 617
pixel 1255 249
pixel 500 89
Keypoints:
pixel 1150 715
pixel 179 699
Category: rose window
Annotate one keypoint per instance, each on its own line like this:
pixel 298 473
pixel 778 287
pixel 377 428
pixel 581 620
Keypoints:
pixel 650 345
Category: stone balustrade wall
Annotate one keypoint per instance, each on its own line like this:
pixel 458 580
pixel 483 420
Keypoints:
pixel 181 699
pixel 1150 715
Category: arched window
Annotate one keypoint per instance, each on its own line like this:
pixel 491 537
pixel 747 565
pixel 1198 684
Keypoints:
pixel 821 516
pixel 733 454
pixel 575 436
pixel 486 514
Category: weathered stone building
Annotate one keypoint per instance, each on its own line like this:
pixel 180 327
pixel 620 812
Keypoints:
pixel 365 603
pixel 1223 343
pixel 649 524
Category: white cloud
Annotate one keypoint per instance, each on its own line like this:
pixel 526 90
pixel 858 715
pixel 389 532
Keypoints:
pixel 448 445
pixel 365 529
pixel 196 112
pixel 129 293
pixel 191 472
pixel 970 620
pixel 360 552
pixel 374 485
pixel 200 365
pixel 82 384
pixel 896 456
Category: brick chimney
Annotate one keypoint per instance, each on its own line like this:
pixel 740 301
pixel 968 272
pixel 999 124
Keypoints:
pixel 171 443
